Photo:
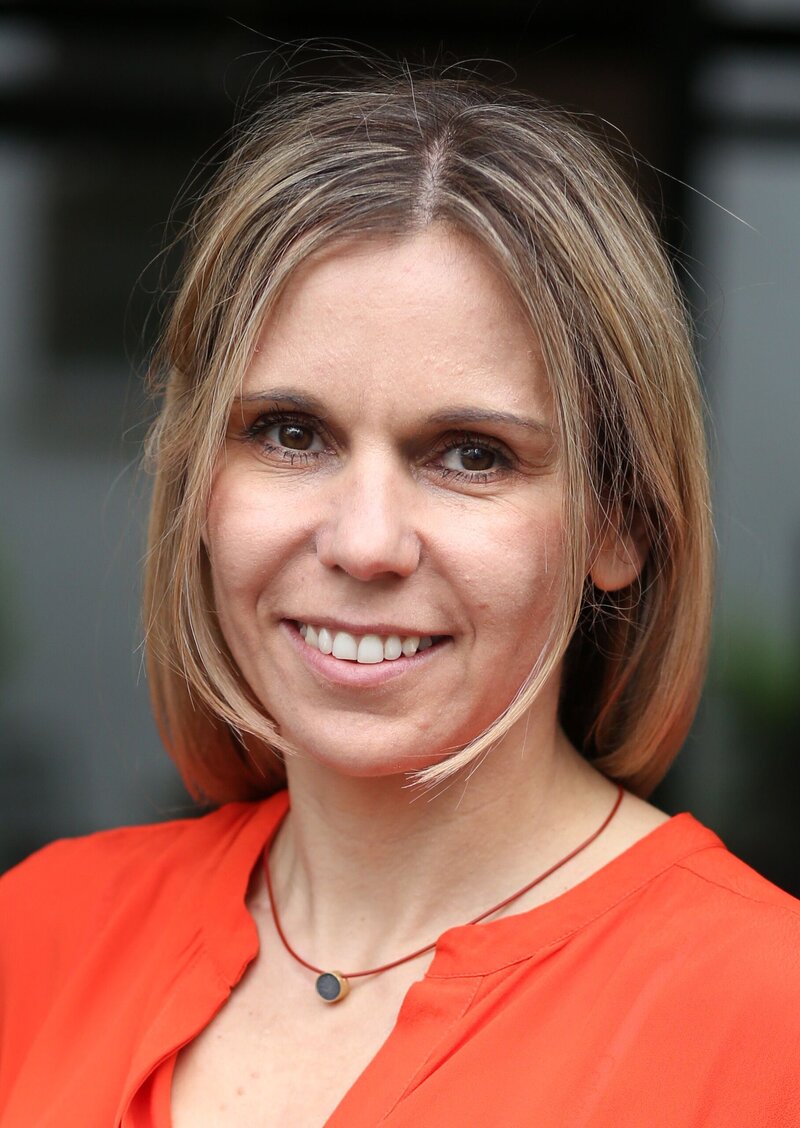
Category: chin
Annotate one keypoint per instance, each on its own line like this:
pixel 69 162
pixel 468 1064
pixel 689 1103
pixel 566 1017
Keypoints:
pixel 364 759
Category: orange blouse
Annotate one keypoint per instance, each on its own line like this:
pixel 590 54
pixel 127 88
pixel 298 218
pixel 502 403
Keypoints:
pixel 662 991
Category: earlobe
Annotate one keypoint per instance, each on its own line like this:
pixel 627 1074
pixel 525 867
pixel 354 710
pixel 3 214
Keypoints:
pixel 620 556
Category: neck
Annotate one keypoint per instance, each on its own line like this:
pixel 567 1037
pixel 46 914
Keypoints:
pixel 366 851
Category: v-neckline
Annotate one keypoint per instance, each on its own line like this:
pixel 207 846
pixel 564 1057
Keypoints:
pixel 463 955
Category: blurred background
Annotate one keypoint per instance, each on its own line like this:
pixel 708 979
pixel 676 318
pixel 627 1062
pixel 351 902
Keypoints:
pixel 108 111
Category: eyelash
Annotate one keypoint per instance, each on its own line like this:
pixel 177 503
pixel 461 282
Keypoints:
pixel 256 430
pixel 504 464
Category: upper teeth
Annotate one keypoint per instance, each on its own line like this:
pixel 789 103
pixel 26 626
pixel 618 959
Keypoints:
pixel 367 649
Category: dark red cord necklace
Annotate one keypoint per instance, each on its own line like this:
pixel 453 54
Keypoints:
pixel 333 986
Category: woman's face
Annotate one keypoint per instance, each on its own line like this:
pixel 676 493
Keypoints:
pixel 391 474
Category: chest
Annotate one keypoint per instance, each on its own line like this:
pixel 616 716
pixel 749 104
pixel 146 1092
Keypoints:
pixel 276 1054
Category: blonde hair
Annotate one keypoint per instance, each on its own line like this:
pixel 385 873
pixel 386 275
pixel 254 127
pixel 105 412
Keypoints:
pixel 392 155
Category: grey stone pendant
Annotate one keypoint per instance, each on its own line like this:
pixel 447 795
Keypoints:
pixel 332 987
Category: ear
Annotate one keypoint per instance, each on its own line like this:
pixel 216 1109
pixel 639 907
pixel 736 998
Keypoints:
pixel 620 554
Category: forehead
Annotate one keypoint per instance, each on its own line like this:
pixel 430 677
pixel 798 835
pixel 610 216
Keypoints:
pixel 376 320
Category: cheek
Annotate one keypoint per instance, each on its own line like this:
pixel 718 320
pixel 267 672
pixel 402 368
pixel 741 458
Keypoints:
pixel 511 572
pixel 243 538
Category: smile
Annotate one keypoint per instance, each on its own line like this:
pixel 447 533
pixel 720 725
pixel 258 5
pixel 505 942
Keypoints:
pixel 367 649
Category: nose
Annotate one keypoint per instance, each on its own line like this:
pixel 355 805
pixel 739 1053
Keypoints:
pixel 369 530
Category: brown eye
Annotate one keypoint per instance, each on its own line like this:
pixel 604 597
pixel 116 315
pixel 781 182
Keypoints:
pixel 295 437
pixel 282 437
pixel 477 458
pixel 470 457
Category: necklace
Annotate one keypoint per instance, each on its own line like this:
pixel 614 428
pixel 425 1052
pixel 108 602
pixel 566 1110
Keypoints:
pixel 333 986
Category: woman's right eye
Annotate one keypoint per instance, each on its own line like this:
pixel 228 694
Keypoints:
pixel 288 435
pixel 294 436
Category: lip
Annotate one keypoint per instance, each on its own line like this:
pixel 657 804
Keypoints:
pixel 354 673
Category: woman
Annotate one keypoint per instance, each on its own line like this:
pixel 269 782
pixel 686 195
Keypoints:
pixel 430 547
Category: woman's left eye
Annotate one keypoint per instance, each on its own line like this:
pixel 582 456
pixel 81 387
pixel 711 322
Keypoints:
pixel 472 457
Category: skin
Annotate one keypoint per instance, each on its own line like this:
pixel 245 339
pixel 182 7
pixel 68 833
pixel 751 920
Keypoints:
pixel 375 527
pixel 378 522
pixel 391 517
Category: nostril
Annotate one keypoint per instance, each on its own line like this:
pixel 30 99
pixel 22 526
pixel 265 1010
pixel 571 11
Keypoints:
pixel 367 547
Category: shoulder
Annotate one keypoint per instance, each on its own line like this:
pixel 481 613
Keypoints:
pixel 741 908
pixel 685 923
pixel 107 854
pixel 62 894
pixel 108 923
pixel 725 967
pixel 727 934
pixel 724 884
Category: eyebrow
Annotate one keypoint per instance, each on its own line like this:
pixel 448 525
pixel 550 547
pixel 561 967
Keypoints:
pixel 450 416
pixel 284 395
pixel 456 415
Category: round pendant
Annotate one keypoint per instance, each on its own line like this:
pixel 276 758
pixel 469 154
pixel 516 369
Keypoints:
pixel 332 987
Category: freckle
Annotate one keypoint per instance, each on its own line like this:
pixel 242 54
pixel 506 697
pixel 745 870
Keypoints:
pixel 240 1091
pixel 255 1074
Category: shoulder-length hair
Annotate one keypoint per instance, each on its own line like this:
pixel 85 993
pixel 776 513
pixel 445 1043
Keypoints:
pixel 390 156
